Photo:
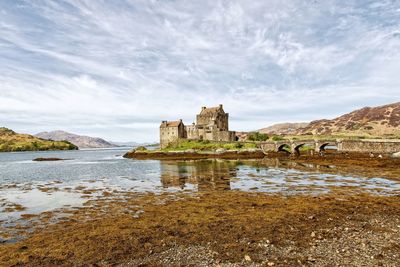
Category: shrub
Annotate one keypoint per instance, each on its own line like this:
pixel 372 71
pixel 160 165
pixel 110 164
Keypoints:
pixel 141 148
pixel 256 136
pixel 277 138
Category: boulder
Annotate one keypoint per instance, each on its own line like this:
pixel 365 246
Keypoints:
pixel 396 155
pixel 220 150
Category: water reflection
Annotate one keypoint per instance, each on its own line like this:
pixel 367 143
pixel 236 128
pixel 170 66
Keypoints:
pixel 285 163
pixel 205 174
pixel 267 175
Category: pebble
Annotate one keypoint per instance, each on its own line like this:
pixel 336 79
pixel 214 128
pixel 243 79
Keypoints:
pixel 247 258
pixel 312 234
pixel 311 259
pixel 270 264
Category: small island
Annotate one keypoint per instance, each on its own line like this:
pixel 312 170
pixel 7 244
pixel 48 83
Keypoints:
pixel 196 149
pixel 48 159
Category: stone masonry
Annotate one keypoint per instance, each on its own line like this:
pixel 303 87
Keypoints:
pixel 211 124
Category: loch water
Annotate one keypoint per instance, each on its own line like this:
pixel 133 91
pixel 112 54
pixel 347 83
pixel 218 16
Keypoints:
pixel 49 185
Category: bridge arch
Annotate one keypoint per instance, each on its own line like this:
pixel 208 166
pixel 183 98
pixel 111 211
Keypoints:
pixel 324 145
pixel 297 146
pixel 284 148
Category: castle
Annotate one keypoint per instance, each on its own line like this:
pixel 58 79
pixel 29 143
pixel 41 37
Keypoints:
pixel 211 124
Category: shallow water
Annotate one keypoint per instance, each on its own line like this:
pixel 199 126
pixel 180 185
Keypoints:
pixel 45 186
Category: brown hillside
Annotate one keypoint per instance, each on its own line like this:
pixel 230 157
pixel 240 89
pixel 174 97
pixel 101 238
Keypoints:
pixel 283 128
pixel 375 121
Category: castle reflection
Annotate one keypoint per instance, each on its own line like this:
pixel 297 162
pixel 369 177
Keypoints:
pixel 205 174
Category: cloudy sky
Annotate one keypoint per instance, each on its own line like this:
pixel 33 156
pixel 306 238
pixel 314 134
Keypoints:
pixel 115 69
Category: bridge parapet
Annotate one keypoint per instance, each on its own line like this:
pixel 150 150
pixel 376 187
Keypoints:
pixel 295 145
pixel 363 146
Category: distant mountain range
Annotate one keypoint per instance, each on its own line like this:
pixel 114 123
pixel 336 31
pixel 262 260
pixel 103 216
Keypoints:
pixel 81 141
pixel 12 141
pixel 368 121
pixel 129 144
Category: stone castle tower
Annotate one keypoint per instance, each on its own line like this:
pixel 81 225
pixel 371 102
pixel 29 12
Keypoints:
pixel 211 124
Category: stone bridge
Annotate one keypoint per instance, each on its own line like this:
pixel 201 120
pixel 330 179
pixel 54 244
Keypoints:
pixel 363 145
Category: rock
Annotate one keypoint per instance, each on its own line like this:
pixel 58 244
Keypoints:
pixel 247 258
pixel 396 155
pixel 270 264
pixel 220 150
pixel 47 159
pixel 312 234
pixel 310 259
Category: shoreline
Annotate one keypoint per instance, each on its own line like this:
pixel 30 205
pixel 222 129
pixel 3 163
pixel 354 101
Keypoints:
pixel 228 228
pixel 329 158
pixel 194 155
pixel 222 227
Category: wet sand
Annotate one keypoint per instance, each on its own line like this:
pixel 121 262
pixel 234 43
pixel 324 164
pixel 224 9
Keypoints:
pixel 222 227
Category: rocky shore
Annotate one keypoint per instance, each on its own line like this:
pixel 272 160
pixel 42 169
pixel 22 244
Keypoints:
pixel 345 227
pixel 227 228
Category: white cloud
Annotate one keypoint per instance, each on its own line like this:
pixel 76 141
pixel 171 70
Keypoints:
pixel 115 69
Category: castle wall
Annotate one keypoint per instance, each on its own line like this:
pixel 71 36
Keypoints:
pixel 226 136
pixel 192 132
pixel 211 124
pixel 220 121
pixel 170 134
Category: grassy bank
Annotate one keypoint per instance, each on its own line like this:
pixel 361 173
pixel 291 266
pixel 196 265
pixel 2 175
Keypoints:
pixel 205 145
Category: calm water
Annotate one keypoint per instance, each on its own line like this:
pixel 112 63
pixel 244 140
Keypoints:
pixel 44 186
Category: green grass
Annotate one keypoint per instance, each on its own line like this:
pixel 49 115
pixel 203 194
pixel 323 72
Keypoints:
pixel 182 145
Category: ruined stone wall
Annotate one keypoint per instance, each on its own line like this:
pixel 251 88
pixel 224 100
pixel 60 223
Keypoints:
pixel 381 146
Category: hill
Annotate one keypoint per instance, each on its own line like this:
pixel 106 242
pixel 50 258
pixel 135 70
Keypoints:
pixel 283 128
pixel 79 140
pixel 373 121
pixel 12 141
